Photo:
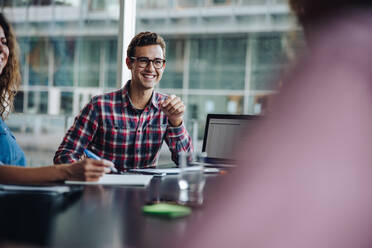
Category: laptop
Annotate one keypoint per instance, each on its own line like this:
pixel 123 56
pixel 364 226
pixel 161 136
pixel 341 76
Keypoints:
pixel 222 133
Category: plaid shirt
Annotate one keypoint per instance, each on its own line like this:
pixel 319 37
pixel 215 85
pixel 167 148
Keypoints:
pixel 110 127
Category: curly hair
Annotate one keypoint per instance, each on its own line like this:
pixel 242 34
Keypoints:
pixel 145 39
pixel 10 77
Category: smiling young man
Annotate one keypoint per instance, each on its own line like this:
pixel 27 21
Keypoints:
pixel 128 126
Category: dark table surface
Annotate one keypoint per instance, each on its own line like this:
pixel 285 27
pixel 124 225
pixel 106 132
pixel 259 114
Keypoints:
pixel 97 216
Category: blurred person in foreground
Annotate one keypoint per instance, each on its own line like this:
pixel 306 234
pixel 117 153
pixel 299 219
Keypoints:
pixel 306 179
pixel 10 152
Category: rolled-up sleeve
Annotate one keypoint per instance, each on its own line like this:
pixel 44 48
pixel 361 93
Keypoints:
pixel 178 140
pixel 78 137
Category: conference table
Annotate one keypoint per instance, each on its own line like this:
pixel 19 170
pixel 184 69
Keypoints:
pixel 98 216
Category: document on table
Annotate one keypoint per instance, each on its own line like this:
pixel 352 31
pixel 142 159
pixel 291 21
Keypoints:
pixel 108 179
pixel 26 188
pixel 172 171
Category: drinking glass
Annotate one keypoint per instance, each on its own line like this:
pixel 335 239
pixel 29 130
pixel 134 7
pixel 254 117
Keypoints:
pixel 191 180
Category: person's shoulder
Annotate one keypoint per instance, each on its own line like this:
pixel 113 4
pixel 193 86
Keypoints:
pixel 6 142
pixel 351 29
pixel 347 27
pixel 2 126
pixel 107 97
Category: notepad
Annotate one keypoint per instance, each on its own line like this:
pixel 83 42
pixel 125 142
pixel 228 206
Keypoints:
pixel 44 189
pixel 172 171
pixel 108 179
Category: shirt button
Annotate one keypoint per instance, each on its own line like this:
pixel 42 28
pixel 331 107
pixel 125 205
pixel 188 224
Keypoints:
pixel 138 131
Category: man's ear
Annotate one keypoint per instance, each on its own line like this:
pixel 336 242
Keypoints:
pixel 128 61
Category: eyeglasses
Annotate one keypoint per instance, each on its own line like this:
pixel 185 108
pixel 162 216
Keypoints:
pixel 144 62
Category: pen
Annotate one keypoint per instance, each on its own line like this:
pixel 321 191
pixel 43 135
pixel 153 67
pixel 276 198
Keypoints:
pixel 158 174
pixel 94 156
pixel 144 172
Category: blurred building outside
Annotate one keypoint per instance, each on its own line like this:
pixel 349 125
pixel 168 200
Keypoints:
pixel 223 56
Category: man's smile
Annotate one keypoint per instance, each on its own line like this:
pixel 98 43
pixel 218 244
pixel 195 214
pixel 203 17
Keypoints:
pixel 149 76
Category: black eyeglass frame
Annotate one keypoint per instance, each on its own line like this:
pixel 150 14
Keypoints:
pixel 148 61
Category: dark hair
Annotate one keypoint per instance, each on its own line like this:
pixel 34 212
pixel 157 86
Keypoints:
pixel 309 11
pixel 145 39
pixel 10 77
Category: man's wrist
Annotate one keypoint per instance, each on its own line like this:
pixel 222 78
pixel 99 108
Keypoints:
pixel 175 123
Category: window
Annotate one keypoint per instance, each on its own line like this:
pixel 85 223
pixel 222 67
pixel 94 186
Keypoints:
pixel 223 56
pixel 64 57
pixel 89 62
pixel 175 52
pixel 217 63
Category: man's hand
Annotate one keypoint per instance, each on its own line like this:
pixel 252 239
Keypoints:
pixel 174 109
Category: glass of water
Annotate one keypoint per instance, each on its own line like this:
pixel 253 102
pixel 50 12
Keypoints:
pixel 191 180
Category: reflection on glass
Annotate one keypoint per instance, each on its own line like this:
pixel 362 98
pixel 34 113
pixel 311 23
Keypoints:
pixel 111 63
pixel 19 3
pixel 253 2
pixel 89 58
pixel 153 4
pixel 173 75
pixel 99 5
pixel 268 59
pixel 66 103
pixel 189 3
pixel 38 61
pixel 75 3
pixel 217 63
pixel 18 102
pixel 15 3
pixel 220 2
pixel 64 50
pixel 23 46
pixel 38 102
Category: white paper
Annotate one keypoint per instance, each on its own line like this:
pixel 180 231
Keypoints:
pixel 170 171
pixel 108 179
pixel 56 189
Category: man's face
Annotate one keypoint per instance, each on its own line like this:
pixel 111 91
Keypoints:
pixel 148 76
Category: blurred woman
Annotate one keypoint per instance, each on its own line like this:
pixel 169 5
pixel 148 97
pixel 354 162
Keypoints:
pixel 10 152
pixel 305 180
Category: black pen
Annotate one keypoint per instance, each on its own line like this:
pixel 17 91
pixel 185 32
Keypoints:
pixel 143 172
pixel 90 154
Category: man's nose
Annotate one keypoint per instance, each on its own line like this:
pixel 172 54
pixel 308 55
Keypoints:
pixel 150 66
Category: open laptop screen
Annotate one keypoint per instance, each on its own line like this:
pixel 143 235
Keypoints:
pixel 222 134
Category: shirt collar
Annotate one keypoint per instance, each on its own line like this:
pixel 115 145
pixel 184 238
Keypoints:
pixel 126 99
pixel 125 95
pixel 155 99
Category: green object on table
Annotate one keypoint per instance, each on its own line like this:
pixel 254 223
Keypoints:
pixel 166 210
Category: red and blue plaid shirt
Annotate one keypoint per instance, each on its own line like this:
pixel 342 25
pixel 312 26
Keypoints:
pixel 110 127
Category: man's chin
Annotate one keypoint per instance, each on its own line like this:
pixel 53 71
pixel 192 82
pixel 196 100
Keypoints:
pixel 149 85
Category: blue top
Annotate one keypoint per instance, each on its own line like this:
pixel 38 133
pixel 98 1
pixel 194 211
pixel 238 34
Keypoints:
pixel 10 152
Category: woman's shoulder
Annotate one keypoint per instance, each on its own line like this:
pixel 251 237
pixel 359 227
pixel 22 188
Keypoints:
pixel 6 137
pixel 10 151
pixel 3 127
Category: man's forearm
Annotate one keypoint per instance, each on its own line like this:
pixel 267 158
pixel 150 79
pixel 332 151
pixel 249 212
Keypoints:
pixel 178 140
